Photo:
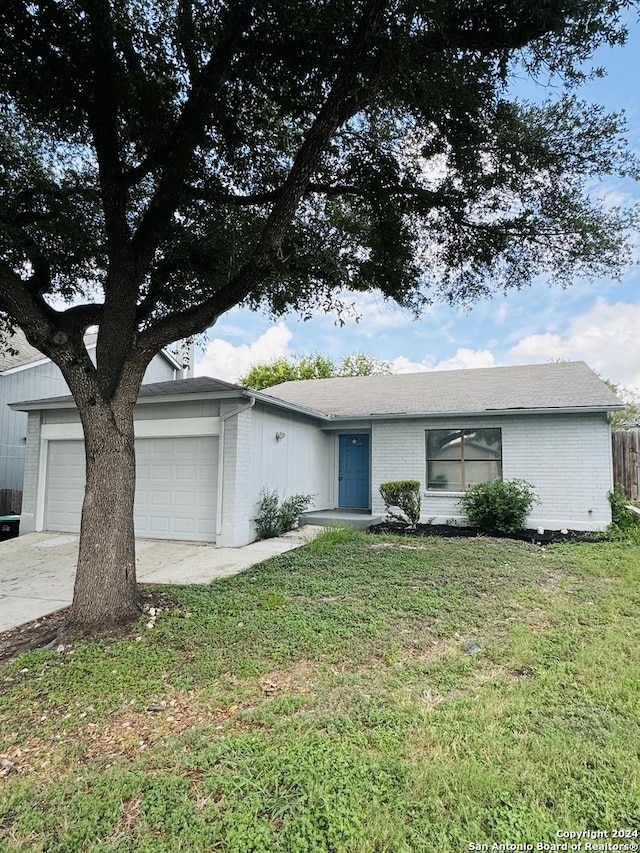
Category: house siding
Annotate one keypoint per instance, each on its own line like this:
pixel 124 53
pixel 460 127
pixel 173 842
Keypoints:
pixel 39 382
pixel 159 370
pixel 548 451
pixel 237 507
pixel 299 463
pixel 31 468
pixel 146 411
pixel 43 380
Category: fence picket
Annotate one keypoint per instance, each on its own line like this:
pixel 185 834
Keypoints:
pixel 625 446
pixel 10 501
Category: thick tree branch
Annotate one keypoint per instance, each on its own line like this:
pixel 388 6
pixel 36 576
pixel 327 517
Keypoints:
pixel 29 310
pixel 187 38
pixel 484 29
pixel 326 189
pixel 103 120
pixel 176 157
pixel 340 104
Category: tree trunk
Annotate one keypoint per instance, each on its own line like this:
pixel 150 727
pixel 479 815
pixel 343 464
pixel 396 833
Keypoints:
pixel 105 594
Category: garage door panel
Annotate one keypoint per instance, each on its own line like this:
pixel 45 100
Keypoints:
pixel 176 487
pixel 185 500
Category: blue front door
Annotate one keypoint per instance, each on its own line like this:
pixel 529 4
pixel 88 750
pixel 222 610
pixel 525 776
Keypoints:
pixel 353 473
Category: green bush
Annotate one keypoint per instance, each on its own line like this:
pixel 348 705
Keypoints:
pixel 624 523
pixel 274 517
pixel 405 496
pixel 501 506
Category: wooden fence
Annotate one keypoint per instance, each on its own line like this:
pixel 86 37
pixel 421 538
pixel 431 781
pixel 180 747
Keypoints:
pixel 626 461
pixel 10 501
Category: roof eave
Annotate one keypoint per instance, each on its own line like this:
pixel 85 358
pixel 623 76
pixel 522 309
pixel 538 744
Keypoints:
pixel 475 413
pixel 293 407
pixel 171 359
pixel 38 405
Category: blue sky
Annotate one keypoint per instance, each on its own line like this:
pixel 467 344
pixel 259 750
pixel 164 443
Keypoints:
pixel 598 322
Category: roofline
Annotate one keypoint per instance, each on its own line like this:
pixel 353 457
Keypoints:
pixel 37 363
pixel 45 360
pixel 285 404
pixel 171 359
pixel 37 405
pixel 447 413
pixel 26 366
pixel 248 393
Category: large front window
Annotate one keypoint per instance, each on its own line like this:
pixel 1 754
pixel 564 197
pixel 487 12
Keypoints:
pixel 459 458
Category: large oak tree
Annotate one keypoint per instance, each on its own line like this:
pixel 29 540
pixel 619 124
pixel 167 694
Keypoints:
pixel 164 160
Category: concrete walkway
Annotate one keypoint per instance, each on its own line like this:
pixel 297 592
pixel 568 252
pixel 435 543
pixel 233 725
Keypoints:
pixel 37 571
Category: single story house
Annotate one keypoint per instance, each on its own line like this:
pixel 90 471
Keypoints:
pixel 206 448
pixel 26 373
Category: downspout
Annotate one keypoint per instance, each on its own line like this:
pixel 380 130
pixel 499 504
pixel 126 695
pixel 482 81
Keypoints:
pixel 232 414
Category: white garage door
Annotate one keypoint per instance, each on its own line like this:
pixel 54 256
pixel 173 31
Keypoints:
pixel 176 487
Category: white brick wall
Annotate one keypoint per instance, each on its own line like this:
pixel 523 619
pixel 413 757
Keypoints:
pixel 566 458
pixel 30 483
pixel 237 506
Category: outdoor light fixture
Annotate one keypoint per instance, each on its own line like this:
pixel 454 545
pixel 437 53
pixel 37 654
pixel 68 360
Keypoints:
pixel 280 436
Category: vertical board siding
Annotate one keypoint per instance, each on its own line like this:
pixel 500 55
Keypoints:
pixel 10 501
pixel 44 380
pixel 626 461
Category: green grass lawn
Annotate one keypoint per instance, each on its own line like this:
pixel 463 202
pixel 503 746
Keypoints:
pixel 326 701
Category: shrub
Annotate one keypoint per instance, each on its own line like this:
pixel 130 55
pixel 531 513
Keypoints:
pixel 291 510
pixel 405 496
pixel 501 506
pixel 624 523
pixel 274 517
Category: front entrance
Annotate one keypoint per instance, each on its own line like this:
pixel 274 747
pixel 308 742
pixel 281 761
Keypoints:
pixel 353 471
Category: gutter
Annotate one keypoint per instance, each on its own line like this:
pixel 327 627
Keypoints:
pixel 68 402
pixel 373 416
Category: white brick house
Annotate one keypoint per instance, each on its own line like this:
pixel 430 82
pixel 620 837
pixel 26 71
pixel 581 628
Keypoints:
pixel 206 449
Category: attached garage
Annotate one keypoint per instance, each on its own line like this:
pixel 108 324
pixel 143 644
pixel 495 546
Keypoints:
pixel 205 449
pixel 176 487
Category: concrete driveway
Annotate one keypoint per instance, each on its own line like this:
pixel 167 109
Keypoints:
pixel 37 571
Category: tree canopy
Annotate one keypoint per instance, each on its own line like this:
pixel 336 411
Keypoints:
pixel 282 152
pixel 267 374
pixel 629 417
pixel 162 161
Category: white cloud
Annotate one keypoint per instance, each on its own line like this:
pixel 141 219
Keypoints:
pixel 467 358
pixel 224 361
pixel 464 358
pixel 401 364
pixel 376 314
pixel 606 337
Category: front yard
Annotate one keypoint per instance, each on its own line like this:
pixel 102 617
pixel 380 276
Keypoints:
pixel 361 694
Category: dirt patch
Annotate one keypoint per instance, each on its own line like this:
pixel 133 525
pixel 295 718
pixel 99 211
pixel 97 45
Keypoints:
pixel 43 632
pixel 32 635
pixel 125 733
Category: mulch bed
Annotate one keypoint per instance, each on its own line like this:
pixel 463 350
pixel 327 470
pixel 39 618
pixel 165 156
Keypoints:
pixel 549 537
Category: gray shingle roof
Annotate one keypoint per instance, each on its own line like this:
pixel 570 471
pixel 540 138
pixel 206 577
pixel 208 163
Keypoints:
pixel 17 341
pixel 196 385
pixel 26 354
pixel 570 385
pixel 565 385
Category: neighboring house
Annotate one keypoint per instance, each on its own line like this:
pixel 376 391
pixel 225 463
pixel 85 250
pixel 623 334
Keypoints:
pixel 28 374
pixel 206 449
